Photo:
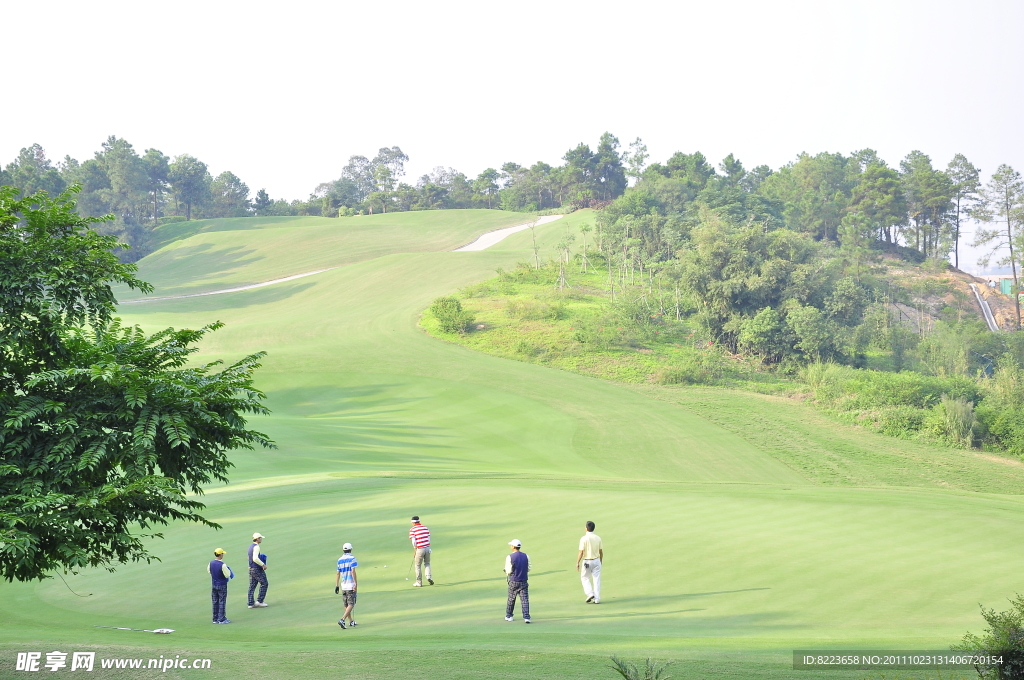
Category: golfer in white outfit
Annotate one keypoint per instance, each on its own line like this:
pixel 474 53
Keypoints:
pixel 588 563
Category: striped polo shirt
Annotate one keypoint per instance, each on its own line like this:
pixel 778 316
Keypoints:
pixel 420 536
pixel 346 563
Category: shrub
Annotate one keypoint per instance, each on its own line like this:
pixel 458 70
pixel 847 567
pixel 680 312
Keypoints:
pixel 952 421
pixel 958 421
pixel 687 374
pixel 450 315
pixel 1004 637
pixel 525 348
pixel 904 422
pixel 1002 425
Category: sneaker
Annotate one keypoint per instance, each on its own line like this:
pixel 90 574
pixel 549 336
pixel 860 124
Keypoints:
pixel 509 618
pixel 353 624
pixel 252 606
pixel 341 622
pixel 597 601
pixel 430 581
pixel 225 621
pixel 417 585
pixel 261 604
pixel 526 620
pixel 590 599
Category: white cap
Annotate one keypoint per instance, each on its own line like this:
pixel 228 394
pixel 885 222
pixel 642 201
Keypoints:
pixel 347 546
pixel 515 543
pixel 257 535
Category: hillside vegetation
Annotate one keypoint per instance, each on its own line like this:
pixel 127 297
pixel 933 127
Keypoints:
pixel 881 343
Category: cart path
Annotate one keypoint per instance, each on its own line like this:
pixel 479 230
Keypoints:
pixel 228 290
pixel 482 243
pixel 492 237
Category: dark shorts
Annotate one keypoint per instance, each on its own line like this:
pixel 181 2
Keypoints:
pixel 349 597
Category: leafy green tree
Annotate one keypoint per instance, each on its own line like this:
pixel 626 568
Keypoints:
pixel 32 171
pixel 191 181
pixel 966 183
pixel 636 159
pixel 929 200
pixel 91 177
pixel 1003 201
pixel 104 430
pixel 732 169
pixel 230 196
pixel 878 196
pixel 158 172
pixel 609 174
pixel 855 237
pixel 763 335
pixel 262 203
pixel 814 192
pixel 815 335
pixel 486 184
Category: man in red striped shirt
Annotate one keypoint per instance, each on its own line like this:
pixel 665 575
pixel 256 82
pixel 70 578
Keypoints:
pixel 420 537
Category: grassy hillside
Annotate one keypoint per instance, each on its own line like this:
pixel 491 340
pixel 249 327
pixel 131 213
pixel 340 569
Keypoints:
pixel 734 529
pixel 204 255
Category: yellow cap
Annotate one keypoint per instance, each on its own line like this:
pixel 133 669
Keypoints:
pixel 218 551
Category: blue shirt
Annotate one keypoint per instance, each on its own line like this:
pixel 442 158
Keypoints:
pixel 346 563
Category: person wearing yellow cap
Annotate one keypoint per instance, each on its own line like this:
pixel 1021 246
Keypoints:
pixel 220 574
pixel 257 573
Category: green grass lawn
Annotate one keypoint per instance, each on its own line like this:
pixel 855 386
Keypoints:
pixel 735 529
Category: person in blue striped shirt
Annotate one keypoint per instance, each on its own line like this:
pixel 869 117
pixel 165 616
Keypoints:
pixel 347 583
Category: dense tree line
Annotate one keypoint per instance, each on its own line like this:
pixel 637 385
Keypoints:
pixel 140 191
pixel 588 177
pixel 855 203
pixel 143 190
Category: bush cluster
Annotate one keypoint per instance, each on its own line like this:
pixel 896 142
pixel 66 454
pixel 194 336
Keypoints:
pixel 957 410
pixel 450 315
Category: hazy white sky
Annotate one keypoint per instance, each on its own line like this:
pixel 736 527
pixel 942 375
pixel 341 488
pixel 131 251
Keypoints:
pixel 283 93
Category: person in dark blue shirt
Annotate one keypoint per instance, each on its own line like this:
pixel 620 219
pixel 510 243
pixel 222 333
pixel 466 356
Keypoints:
pixel 220 574
pixel 517 567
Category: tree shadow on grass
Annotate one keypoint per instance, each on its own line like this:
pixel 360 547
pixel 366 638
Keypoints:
pixel 194 264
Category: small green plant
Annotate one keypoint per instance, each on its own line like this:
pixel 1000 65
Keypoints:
pixel 649 670
pixel 525 348
pixel 450 315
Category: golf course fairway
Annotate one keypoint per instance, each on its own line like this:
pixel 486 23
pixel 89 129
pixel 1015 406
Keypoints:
pixel 726 548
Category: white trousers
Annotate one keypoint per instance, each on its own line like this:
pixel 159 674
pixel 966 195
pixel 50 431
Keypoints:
pixel 591 571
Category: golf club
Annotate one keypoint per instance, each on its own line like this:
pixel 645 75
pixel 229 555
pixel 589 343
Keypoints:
pixel 162 631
